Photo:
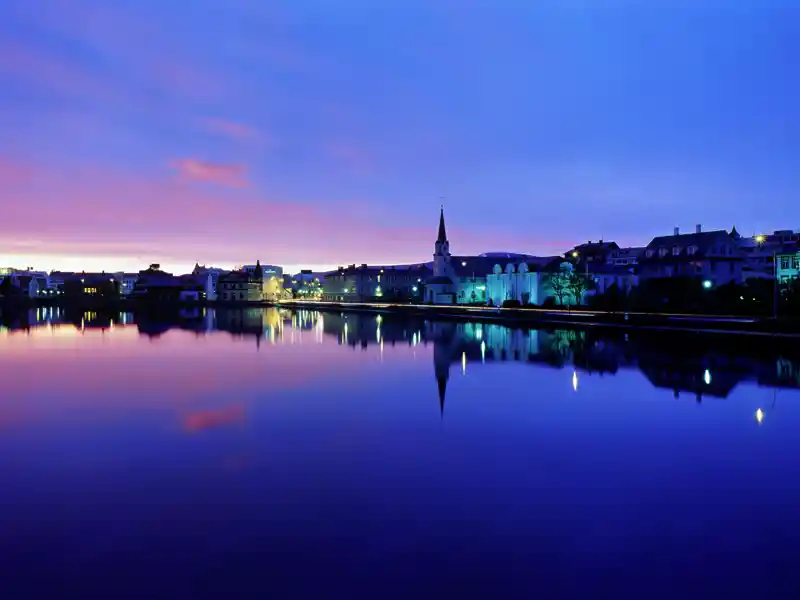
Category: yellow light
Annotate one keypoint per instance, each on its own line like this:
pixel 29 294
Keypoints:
pixel 759 416
pixel 575 254
pixel 575 381
pixel 707 377
pixel 463 363
pixel 483 352
pixel 760 239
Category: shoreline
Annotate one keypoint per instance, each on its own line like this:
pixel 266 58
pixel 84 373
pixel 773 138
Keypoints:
pixel 621 320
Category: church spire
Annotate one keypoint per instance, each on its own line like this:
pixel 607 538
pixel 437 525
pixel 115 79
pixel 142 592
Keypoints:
pixel 442 232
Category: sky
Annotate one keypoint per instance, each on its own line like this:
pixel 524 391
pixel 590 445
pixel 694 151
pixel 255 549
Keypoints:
pixel 317 133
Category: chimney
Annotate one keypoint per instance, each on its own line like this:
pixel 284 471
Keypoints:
pixel 698 228
pixel 677 231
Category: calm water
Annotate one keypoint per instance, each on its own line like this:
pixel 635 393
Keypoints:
pixel 276 455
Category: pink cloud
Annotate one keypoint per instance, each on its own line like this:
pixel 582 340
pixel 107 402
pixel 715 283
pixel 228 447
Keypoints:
pixel 191 169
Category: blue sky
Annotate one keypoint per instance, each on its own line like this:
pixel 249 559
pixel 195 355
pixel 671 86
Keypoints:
pixel 316 132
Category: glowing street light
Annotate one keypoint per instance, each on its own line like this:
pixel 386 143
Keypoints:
pixel 760 239
pixel 707 284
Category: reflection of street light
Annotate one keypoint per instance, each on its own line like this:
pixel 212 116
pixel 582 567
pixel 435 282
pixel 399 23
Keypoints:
pixel 759 416
pixel 575 380
pixel 707 377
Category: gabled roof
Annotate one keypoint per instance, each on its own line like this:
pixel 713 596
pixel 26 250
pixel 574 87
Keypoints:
pixel 703 241
pixel 599 246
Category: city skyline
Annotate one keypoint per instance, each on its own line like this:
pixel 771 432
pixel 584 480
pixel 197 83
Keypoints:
pixel 313 136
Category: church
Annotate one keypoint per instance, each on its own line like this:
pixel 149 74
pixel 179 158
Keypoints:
pixel 490 278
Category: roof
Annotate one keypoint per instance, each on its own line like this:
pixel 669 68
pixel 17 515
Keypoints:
pixel 240 276
pixel 599 246
pixel 632 251
pixel 703 241
pixel 466 266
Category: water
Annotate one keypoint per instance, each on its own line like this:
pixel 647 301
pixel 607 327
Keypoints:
pixel 264 454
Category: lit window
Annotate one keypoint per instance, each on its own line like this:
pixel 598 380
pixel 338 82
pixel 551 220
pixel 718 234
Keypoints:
pixel 676 251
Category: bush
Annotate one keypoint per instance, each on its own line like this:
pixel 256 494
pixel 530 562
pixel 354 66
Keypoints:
pixel 512 304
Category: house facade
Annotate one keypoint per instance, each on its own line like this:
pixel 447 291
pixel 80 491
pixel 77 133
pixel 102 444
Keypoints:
pixel 712 256
pixel 365 283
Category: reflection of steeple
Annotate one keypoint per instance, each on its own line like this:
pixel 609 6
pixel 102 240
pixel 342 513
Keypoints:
pixel 443 338
pixel 442 381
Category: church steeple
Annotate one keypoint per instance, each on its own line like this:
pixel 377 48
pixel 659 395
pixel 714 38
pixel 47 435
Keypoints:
pixel 259 272
pixel 441 253
pixel 442 231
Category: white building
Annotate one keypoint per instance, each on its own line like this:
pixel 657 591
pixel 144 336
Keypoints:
pixel 515 282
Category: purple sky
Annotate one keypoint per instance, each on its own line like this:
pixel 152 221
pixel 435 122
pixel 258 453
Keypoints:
pixel 311 132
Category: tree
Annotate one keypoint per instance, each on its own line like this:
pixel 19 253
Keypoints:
pixel 558 283
pixel 578 283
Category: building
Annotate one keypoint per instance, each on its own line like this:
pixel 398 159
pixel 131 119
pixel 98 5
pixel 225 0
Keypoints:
pixel 364 283
pixel 27 282
pixel 465 279
pixel 90 285
pixel 155 285
pixel 127 282
pixel 214 273
pixel 593 252
pixel 305 284
pixel 272 280
pixel 788 264
pixel 711 256
pixel 760 251
pixel 242 286
pixel 625 257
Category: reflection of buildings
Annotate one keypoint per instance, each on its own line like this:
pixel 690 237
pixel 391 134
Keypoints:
pixel 684 363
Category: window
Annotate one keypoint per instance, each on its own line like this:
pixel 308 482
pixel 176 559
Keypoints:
pixel 662 252
pixel 650 254
pixel 691 250
pixel 676 251
pixel 784 262
pixel 795 262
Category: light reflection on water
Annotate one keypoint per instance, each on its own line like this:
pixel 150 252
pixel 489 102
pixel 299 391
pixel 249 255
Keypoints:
pixel 374 455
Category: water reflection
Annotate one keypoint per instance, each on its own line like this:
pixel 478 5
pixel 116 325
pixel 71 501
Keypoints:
pixel 269 443
pixel 686 364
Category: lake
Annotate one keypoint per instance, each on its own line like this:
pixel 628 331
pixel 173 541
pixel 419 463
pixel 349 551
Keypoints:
pixel 272 454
